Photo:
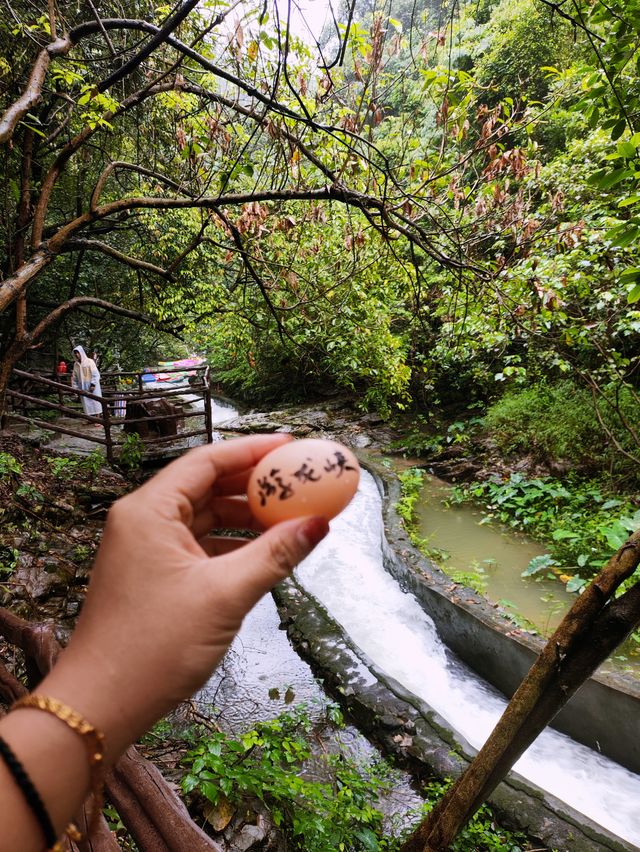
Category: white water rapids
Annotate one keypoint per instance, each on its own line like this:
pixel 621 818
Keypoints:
pixel 346 575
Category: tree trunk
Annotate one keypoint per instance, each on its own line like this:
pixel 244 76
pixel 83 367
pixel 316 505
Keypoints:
pixel 588 634
pixel 10 358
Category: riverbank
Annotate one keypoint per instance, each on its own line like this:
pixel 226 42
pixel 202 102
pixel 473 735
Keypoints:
pixel 44 488
pixel 373 436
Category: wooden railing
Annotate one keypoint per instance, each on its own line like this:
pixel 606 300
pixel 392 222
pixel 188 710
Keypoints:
pixel 30 393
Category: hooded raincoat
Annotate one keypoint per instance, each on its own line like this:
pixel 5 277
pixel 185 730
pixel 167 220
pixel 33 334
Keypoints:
pixel 86 377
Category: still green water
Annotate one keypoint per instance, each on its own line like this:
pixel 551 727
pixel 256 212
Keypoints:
pixel 498 553
pixel 501 555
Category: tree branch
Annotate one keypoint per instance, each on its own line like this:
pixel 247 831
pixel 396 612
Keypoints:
pixel 82 301
pixel 133 262
pixel 133 167
pixel 161 36
pixel 15 284
pixel 33 92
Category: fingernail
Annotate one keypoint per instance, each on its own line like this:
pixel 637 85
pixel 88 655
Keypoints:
pixel 313 531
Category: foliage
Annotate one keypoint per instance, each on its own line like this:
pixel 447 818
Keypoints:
pixel 9 466
pixel 582 525
pixel 337 811
pixel 131 452
pixel 66 468
pixel 559 421
pixel 476 579
pixel 91 463
pixel 482 834
pixel 268 762
pixel 518 40
pixel 9 558
pixel 62 467
pixel 411 482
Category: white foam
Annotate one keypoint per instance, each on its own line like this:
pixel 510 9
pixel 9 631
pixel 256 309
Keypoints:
pixel 346 574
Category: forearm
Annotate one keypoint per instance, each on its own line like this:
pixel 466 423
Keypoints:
pixel 54 756
pixel 55 759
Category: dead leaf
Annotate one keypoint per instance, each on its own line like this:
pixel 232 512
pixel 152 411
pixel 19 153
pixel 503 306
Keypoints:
pixel 219 816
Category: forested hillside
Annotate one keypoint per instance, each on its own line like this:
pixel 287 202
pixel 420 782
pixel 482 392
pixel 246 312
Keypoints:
pixel 424 206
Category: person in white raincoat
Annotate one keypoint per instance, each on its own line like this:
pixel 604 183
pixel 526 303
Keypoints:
pixel 86 377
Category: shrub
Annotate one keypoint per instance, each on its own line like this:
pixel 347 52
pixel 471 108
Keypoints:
pixel 560 422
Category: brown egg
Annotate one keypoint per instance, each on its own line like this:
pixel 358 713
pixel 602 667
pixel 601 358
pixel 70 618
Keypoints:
pixel 307 477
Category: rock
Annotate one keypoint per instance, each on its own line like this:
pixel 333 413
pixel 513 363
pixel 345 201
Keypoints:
pixel 250 837
pixel 40 578
pixel 361 441
pixel 373 418
pixel 390 722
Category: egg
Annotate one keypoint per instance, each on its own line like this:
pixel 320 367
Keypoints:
pixel 306 477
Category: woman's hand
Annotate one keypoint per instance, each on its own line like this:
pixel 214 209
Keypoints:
pixel 166 599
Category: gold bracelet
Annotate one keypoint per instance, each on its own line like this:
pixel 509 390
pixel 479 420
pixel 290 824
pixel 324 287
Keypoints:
pixel 94 742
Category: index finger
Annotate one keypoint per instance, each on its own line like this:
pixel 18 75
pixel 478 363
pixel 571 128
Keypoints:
pixel 193 474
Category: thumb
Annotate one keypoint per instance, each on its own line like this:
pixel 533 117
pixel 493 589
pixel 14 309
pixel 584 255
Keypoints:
pixel 267 560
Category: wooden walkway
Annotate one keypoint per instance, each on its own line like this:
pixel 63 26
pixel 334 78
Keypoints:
pixel 166 417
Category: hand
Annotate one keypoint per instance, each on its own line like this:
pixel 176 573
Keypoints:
pixel 165 599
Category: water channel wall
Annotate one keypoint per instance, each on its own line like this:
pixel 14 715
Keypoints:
pixel 604 713
pixel 422 740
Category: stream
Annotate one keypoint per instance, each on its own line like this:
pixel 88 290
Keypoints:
pixel 346 575
pixel 262 676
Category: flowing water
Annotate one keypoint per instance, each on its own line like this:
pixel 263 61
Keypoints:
pixel 261 676
pixel 346 575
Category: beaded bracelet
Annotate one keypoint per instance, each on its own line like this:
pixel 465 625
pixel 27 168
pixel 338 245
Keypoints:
pixel 94 741
pixel 31 795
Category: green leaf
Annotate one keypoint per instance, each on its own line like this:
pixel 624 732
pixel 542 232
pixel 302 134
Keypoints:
pixel 634 295
pixel 604 179
pixel 611 504
pixel 626 149
pixel 618 129
pixel 210 790
pixel 616 535
pixel 575 584
pixel 559 535
pixel 537 564
pixel 368 839
pixel 624 235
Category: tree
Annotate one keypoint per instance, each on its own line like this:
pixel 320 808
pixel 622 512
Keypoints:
pixel 117 121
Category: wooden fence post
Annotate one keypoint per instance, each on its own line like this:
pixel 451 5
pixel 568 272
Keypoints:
pixel 107 429
pixel 208 418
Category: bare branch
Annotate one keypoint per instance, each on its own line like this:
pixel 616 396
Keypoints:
pixel 31 95
pixel 102 29
pixel 121 164
pixel 237 238
pixel 161 36
pixel 105 248
pixel 83 301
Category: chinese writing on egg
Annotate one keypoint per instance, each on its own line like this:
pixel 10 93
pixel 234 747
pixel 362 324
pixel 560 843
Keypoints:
pixel 276 483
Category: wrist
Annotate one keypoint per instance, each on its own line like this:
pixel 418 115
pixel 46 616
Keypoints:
pixel 99 690
pixel 55 761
